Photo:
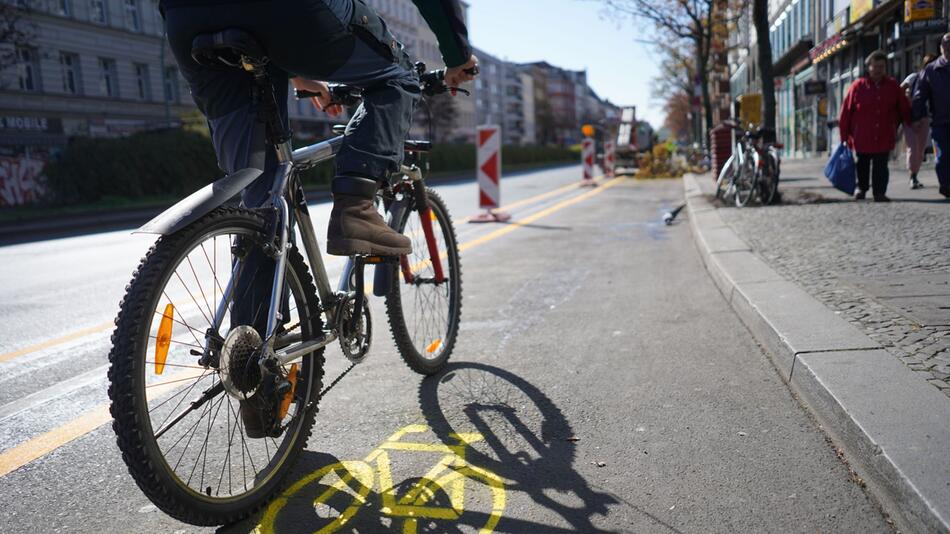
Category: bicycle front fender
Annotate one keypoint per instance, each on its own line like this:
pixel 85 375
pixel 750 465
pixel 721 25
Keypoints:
pixel 199 203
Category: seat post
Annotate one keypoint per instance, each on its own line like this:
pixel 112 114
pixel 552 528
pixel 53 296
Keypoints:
pixel 268 112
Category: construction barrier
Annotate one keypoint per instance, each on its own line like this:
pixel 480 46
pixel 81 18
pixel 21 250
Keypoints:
pixel 610 159
pixel 587 157
pixel 489 175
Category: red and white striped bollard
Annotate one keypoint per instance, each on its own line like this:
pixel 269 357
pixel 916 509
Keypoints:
pixel 489 175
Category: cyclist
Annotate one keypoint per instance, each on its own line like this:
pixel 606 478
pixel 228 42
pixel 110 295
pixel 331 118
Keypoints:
pixel 342 41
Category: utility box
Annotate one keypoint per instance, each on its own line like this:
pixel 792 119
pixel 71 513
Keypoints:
pixel 720 146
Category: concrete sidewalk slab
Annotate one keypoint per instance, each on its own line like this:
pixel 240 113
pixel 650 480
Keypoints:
pixel 893 426
pixel 876 406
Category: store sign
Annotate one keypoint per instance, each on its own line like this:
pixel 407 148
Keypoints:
pixel 815 87
pixel 915 10
pixel 921 27
pixel 859 8
pixel 32 124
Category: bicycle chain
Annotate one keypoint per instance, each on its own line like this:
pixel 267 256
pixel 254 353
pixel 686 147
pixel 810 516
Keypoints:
pixel 313 404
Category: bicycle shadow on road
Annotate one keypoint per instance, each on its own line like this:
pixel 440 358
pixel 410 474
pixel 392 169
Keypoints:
pixel 527 441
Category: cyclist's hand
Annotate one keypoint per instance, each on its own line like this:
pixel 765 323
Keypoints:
pixel 321 102
pixel 456 76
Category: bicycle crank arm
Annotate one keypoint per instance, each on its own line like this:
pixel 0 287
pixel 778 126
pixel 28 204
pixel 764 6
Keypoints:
pixel 289 354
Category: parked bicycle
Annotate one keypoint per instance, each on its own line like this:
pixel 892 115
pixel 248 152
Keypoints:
pixel 753 169
pixel 185 377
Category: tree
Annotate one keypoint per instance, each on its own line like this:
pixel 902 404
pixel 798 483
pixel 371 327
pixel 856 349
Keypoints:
pixel 438 114
pixel 15 32
pixel 678 120
pixel 675 81
pixel 760 17
pixel 695 22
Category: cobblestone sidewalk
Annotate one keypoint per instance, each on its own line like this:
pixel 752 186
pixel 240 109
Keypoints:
pixel 884 267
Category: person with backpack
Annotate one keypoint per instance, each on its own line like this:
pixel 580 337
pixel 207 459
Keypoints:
pixel 917 135
pixel 932 95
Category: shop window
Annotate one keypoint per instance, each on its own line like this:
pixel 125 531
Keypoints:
pixel 63 7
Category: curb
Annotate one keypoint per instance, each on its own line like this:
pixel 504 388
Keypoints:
pixel 893 426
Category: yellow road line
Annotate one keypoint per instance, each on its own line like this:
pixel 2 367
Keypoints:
pixel 56 341
pixel 24 453
pixel 511 227
pixel 7 356
pixel 39 446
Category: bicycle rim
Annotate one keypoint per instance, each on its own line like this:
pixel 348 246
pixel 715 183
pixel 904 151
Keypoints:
pixel 424 313
pixel 209 470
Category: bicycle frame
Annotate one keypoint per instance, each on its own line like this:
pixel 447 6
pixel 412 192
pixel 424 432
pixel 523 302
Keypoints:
pixel 289 161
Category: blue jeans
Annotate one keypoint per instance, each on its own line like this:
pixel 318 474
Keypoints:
pixel 342 41
pixel 941 135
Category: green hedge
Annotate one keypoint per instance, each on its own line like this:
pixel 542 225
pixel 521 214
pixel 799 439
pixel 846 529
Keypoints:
pixel 173 163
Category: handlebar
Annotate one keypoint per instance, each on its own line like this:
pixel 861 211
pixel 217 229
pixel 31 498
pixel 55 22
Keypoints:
pixel 431 83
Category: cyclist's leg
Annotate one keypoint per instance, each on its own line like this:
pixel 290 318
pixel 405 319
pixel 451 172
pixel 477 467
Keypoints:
pixel 366 55
pixel 224 96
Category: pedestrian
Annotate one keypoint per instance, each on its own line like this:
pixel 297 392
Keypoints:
pixel 917 135
pixel 932 96
pixel 870 114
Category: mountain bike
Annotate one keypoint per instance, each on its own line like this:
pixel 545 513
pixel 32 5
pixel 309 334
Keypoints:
pixel 211 409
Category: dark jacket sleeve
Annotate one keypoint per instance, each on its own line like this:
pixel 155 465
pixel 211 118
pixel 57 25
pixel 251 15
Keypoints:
pixel 447 23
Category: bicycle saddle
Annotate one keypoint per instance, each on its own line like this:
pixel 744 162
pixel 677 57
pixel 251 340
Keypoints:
pixel 226 47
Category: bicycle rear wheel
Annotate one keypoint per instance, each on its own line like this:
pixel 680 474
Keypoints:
pixel 200 464
pixel 423 312
pixel 768 180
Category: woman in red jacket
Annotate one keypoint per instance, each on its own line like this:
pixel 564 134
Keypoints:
pixel 872 110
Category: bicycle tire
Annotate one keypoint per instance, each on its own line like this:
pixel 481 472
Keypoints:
pixel 768 187
pixel 745 193
pixel 409 348
pixel 725 179
pixel 140 448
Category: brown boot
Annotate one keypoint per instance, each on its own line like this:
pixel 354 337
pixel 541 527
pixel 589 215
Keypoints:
pixel 356 227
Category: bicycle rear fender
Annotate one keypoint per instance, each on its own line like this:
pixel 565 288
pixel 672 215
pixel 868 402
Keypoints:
pixel 199 203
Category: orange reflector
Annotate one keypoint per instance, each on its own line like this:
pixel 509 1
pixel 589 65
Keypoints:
pixel 432 215
pixel 164 338
pixel 434 346
pixel 285 403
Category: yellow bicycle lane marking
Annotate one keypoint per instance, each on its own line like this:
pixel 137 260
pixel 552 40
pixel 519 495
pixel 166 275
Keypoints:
pixel 30 450
pixel 7 356
pixel 449 474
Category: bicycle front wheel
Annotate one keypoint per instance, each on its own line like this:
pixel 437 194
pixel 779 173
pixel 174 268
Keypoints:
pixel 424 312
pixel 745 184
pixel 186 424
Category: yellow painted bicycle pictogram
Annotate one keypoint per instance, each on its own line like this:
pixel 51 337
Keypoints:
pixel 372 477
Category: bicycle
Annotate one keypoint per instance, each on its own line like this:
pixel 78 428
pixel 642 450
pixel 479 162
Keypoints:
pixel 185 378
pixel 752 170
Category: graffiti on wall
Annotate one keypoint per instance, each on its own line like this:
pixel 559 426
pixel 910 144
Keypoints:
pixel 20 179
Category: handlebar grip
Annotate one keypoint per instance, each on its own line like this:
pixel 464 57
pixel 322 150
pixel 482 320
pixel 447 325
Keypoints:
pixel 303 93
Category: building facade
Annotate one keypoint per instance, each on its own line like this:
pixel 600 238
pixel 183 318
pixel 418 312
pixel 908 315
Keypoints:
pixel 818 50
pixel 505 96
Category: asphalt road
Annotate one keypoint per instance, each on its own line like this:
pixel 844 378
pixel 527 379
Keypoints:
pixel 601 383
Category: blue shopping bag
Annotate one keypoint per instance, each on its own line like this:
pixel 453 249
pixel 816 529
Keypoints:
pixel 840 170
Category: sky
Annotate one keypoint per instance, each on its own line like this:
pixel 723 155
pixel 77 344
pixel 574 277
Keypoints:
pixel 573 34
